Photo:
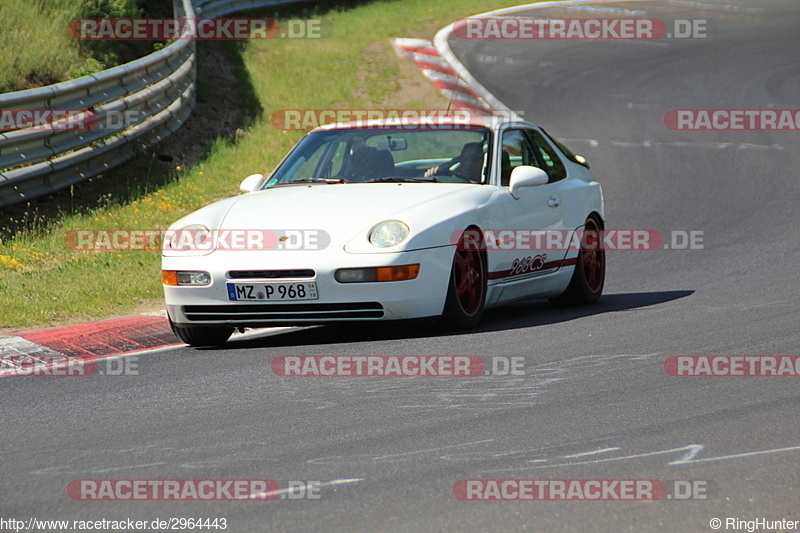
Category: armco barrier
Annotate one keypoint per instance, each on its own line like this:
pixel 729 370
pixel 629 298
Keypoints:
pixel 158 90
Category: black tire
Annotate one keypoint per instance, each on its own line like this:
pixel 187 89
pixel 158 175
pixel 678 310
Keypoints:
pixel 466 292
pixel 588 279
pixel 198 336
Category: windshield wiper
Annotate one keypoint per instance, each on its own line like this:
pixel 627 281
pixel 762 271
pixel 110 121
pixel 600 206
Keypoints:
pixel 429 179
pixel 315 180
pixel 300 181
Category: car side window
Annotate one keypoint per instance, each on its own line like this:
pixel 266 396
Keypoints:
pixel 516 151
pixel 548 157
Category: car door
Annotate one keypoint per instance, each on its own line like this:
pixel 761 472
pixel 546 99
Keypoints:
pixel 567 193
pixel 526 251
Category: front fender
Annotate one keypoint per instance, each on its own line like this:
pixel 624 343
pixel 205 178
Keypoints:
pixel 439 224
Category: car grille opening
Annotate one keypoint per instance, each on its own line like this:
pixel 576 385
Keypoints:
pixel 286 313
pixel 269 274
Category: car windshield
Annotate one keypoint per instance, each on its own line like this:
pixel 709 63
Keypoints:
pixel 458 154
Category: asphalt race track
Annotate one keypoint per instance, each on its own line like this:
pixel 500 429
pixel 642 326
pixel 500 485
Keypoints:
pixel 594 402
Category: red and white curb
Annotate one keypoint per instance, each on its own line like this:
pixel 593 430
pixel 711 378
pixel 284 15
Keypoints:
pixel 439 64
pixel 39 349
pixel 439 71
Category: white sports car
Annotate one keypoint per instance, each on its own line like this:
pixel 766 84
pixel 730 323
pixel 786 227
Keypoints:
pixel 386 220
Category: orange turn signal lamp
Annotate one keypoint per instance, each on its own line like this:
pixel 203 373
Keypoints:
pixel 377 274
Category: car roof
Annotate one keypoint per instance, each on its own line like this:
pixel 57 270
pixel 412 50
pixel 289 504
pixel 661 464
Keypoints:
pixel 492 122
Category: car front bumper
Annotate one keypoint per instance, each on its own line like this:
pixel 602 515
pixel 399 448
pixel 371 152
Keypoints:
pixel 210 305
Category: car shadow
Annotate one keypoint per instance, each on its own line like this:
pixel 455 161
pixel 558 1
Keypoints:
pixel 526 314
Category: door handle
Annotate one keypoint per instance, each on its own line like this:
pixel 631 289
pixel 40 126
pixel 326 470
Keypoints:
pixel 553 202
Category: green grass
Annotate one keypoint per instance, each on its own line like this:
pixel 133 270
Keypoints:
pixel 42 282
pixel 36 49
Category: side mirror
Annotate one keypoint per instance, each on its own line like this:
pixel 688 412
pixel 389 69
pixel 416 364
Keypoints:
pixel 251 183
pixel 526 176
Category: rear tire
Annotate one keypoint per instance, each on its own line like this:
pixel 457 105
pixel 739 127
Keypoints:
pixel 588 279
pixel 198 336
pixel 466 292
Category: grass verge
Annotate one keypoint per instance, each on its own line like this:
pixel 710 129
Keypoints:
pixel 36 49
pixel 43 282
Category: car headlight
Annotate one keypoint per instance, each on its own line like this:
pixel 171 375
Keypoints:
pixel 388 233
pixel 191 237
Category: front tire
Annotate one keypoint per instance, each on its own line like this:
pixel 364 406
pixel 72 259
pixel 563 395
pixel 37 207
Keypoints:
pixel 588 279
pixel 198 336
pixel 466 292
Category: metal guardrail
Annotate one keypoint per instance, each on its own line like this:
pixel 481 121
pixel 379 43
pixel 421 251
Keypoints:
pixel 156 93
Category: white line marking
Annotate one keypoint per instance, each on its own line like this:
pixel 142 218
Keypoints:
pixel 691 451
pixel 704 5
pixel 736 455
pixel 262 331
pixel 595 452
pixel 67 469
pixel 260 495
pixel 678 144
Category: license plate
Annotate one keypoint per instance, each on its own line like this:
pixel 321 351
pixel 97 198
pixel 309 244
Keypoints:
pixel 272 292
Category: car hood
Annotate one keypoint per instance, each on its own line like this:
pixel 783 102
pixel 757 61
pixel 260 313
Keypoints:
pixel 341 210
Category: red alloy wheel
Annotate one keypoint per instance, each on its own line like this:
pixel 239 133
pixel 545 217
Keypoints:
pixel 468 273
pixel 593 258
